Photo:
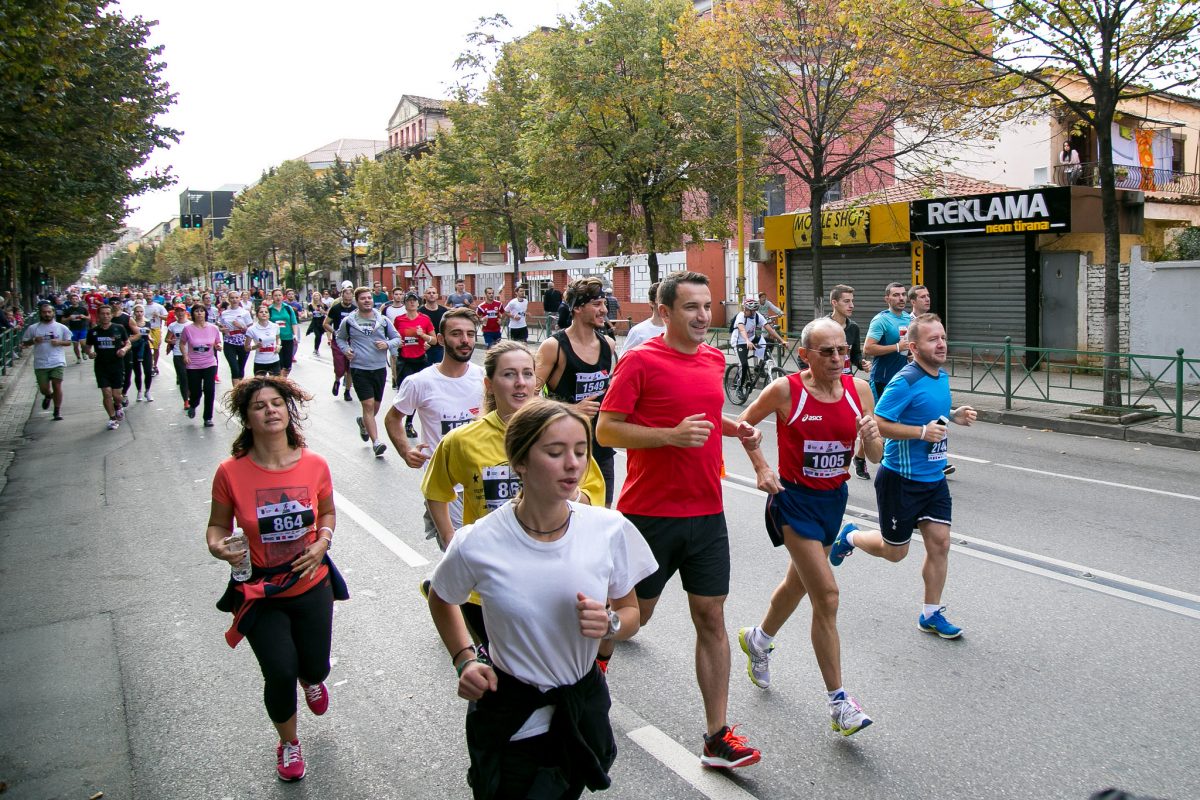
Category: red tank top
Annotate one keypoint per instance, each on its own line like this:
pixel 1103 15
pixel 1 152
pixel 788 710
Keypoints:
pixel 817 442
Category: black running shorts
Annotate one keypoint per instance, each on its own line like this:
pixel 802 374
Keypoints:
pixel 695 547
pixel 369 383
pixel 904 503
pixel 110 376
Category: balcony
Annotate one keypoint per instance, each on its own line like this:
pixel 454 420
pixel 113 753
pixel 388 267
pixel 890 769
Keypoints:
pixel 1137 179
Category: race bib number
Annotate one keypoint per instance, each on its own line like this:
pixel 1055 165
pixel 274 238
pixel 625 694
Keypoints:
pixel 826 459
pixel 450 424
pixel 410 341
pixel 937 450
pixel 588 384
pixel 201 348
pixel 284 520
pixel 144 331
pixel 847 368
pixel 105 343
pixel 500 484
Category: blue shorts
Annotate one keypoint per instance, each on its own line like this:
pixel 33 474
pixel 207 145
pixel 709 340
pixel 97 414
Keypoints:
pixel 490 338
pixel 903 503
pixel 812 513
pixel 79 336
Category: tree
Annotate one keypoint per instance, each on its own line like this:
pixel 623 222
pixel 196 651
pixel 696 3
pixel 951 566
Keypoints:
pixel 384 191
pixel 341 214
pixel 80 90
pixel 183 255
pixel 843 98
pixel 1116 50
pixel 620 134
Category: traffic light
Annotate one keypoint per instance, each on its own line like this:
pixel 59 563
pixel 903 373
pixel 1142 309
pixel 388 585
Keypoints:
pixel 197 220
pixel 185 220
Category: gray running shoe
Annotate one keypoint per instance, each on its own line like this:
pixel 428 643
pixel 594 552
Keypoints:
pixel 847 716
pixel 758 661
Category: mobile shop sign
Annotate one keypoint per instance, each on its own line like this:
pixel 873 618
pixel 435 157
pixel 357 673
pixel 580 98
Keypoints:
pixel 1026 211
pixel 841 227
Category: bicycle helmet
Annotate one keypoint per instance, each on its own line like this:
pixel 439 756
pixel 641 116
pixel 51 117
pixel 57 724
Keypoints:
pixel 750 304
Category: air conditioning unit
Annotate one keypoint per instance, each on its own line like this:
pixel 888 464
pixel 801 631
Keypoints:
pixel 759 251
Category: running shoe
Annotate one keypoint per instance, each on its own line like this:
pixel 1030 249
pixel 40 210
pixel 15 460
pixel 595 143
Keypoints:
pixel 120 415
pixel 337 384
pixel 949 469
pixel 758 660
pixel 113 424
pixel 726 750
pixel 841 548
pixel 208 423
pixel 847 716
pixel 317 698
pixel 139 397
pixel 860 469
pixel 379 448
pixel 937 623
pixel 45 403
pixel 347 396
pixel 191 412
pixel 289 761
pixel 57 417
pixel 362 429
pixel 124 402
pixel 149 399
pixel 425 584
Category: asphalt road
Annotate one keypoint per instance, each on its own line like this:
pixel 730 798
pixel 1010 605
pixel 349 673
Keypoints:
pixel 1075 575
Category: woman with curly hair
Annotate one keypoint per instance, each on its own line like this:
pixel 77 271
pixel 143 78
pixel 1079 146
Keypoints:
pixel 281 495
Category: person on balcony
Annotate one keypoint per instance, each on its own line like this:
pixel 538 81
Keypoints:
pixel 1068 161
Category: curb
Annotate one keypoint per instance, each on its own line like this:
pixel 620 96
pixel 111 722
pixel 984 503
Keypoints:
pixel 1141 435
pixel 16 373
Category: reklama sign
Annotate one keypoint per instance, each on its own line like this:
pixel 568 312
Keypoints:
pixel 999 214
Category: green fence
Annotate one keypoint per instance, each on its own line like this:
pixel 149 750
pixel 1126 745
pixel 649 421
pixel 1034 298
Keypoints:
pixel 10 349
pixel 1076 377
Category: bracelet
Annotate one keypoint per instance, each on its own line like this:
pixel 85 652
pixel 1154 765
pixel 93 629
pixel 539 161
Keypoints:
pixel 328 538
pixel 470 647
pixel 463 665
pixel 897 347
pixel 922 436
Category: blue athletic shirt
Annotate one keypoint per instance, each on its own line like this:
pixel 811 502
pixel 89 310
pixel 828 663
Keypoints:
pixel 887 329
pixel 914 397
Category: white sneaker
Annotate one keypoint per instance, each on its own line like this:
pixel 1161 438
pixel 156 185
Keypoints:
pixel 758 665
pixel 847 716
pixel 113 424
pixel 149 399
pixel 139 397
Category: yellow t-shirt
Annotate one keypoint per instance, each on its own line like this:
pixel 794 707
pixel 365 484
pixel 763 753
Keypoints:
pixel 473 457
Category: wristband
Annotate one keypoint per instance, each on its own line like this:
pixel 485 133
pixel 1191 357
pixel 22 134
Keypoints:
pixel 470 647
pixel 463 665
pixel 897 347
pixel 922 436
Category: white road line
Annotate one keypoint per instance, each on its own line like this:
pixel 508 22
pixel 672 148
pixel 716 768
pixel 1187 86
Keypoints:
pixel 1102 483
pixel 385 537
pixel 960 457
pixel 686 764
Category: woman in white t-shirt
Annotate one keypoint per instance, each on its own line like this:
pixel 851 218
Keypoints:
pixel 233 322
pixel 174 332
pixel 545 567
pixel 262 339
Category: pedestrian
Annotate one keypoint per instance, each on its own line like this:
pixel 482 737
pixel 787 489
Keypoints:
pixel 910 487
pixel 664 405
pixel 280 494
pixel 613 309
pixel 819 414
pixel 175 350
pixel 201 342
pixel 887 339
pixel 285 317
pixel 416 334
pixel 647 328
pixel 316 320
pixel 365 338
pixel 556 577
pixel 551 300
pixel 379 296
pixel 435 311
pixel 460 296
pixel 333 320
pixel 142 355
pixel 76 317
pixel 121 318
pixel 749 329
pixel 489 312
pixel 516 312
pixel 262 339
pixel 48 337
pixel 841 300
pixel 107 345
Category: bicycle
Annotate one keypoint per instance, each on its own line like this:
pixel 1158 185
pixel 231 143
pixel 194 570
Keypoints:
pixel 763 371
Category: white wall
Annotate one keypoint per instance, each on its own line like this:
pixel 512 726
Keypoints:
pixel 1010 160
pixel 1160 317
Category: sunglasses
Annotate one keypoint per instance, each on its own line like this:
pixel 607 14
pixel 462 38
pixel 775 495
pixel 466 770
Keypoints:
pixel 828 352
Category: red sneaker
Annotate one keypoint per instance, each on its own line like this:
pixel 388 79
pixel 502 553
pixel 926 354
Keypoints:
pixel 726 750
pixel 317 697
pixel 289 762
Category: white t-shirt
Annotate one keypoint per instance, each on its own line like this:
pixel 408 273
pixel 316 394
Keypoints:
pixel 176 329
pixel 529 590
pixel 753 324
pixel 267 339
pixel 392 312
pixel 441 403
pixel 643 332
pixel 228 318
pixel 45 354
pixel 516 309
pixel 156 313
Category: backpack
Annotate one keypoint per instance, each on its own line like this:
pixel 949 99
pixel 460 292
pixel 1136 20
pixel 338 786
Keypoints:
pixel 762 323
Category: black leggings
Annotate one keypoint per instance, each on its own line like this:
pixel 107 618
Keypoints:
pixel 291 639
pixel 236 356
pixel 203 380
pixel 128 373
pixel 143 364
pixel 605 458
pixel 181 377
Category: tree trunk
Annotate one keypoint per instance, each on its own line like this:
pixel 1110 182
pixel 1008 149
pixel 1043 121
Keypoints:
pixel 454 249
pixel 1112 262
pixel 651 249
pixel 816 195
pixel 516 249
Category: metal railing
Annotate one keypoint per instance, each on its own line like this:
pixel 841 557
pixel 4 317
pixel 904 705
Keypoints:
pixel 10 349
pixel 1131 177
pixel 1168 386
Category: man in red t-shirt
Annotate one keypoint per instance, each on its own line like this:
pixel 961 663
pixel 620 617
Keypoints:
pixel 663 405
pixel 93 300
pixel 489 312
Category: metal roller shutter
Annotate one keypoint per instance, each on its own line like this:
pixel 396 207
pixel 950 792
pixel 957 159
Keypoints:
pixel 867 269
pixel 985 289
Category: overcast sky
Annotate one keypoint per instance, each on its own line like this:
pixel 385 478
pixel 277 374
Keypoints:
pixel 263 81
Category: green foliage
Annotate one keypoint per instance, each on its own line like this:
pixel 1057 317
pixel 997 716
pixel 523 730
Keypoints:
pixel 1184 247
pixel 183 256
pixel 134 266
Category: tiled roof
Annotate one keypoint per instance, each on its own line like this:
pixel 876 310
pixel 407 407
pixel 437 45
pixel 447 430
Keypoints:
pixel 922 187
pixel 345 149
pixel 427 103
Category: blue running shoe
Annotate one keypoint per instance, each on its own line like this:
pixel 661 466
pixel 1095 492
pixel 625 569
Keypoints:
pixel 936 623
pixel 841 548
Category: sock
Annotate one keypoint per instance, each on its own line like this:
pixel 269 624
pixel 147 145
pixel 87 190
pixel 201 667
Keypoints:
pixel 373 443
pixel 761 640
pixel 930 610
pixel 837 694
pixel 850 537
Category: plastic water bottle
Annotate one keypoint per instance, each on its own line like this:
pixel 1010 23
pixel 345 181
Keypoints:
pixel 238 543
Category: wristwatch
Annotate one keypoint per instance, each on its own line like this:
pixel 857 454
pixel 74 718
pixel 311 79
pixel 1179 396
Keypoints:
pixel 614 624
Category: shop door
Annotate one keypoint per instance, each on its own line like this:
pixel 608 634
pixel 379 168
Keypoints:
pixel 985 290
pixel 1060 303
pixel 867 269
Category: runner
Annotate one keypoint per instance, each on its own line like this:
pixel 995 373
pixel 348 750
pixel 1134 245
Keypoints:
pixel 841 299
pixel 234 321
pixel 156 312
pixel 262 339
pixel 887 339
pixel 316 320
pixel 516 313
pixel 364 338
pixel 121 318
pixel 910 488
pixel 818 414
pixel 48 337
pixel 443 397
pixel 489 312
pixel 174 331
pixel 663 406
pixel 416 335
pixel 107 344
pixel 141 356
pixel 546 568
pixel 285 317
pixel 76 317
pixel 920 300
pixel 575 365
pixel 281 495
pixel 435 311
pixel 333 321
pixel 648 328
pixel 460 296
pixel 201 342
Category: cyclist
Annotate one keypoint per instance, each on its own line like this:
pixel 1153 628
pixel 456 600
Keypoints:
pixel 750 327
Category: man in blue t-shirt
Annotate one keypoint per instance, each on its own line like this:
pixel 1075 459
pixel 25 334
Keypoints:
pixel 887 342
pixel 910 489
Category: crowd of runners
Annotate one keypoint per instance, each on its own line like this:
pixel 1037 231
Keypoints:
pixel 541 575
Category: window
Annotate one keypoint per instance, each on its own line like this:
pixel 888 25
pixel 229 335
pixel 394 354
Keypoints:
pixel 834 192
pixel 1177 141
pixel 773 199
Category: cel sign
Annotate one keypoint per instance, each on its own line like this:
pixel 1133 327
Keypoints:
pixel 1003 213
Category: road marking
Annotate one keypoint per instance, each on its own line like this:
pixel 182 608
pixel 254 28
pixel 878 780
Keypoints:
pixel 960 457
pixel 1102 483
pixel 385 537
pixel 686 764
